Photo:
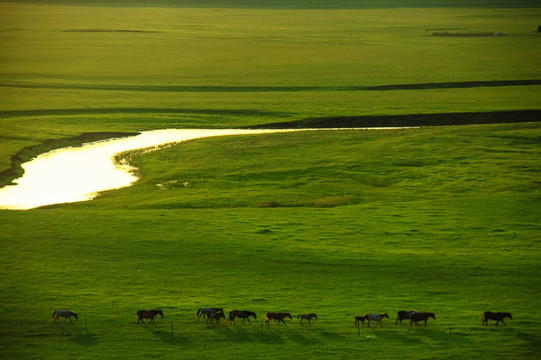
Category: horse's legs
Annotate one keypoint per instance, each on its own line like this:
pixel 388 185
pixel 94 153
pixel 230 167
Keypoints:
pixel 503 322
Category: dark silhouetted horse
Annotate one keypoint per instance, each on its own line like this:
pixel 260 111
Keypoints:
pixel 376 317
pixel 215 316
pixel 243 314
pixel 404 315
pixel 209 312
pixel 271 316
pixel 499 316
pixel 307 317
pixel 66 314
pixel 360 319
pixel 148 314
pixel 421 316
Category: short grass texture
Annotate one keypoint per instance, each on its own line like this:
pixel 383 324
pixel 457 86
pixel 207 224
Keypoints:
pixel 340 223
pixel 442 219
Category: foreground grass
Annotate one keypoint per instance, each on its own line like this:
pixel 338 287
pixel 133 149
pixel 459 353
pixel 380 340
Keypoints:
pixel 338 223
pixel 450 226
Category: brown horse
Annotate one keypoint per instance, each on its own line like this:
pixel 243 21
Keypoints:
pixel 421 316
pixel 360 319
pixel 271 316
pixel 307 317
pixel 243 314
pixel 499 316
pixel 148 314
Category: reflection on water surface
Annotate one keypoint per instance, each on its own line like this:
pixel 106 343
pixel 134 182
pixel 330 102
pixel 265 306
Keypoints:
pixel 79 173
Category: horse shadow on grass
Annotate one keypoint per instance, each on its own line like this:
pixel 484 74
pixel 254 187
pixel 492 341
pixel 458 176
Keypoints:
pixel 77 334
pixel 166 333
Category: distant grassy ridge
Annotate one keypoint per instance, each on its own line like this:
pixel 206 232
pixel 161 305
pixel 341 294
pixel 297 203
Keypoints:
pixel 233 88
pixel 289 4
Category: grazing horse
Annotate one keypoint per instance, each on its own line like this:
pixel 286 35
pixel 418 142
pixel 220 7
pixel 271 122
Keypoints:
pixel 404 315
pixel 308 317
pixel 148 314
pixel 215 316
pixel 270 316
pixel 360 319
pixel 65 314
pixel 421 316
pixel 209 312
pixel 244 314
pixel 376 317
pixel 499 316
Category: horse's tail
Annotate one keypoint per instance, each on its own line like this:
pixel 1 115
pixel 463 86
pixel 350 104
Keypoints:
pixel 54 313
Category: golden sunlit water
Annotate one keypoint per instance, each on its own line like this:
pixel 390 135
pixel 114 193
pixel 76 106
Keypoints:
pixel 79 173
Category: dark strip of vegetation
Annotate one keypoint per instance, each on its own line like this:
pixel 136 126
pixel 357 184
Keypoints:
pixel 188 88
pixel 108 111
pixel 29 152
pixel 467 34
pixel 467 118
pixel 110 31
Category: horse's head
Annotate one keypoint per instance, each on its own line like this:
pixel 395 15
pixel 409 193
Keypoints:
pixel 254 315
pixel 76 317
pixel 432 315
pixel 385 315
pixel 159 312
pixel 289 315
pixel 510 317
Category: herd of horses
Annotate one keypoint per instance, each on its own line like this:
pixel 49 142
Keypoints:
pixel 413 316
pixel 215 314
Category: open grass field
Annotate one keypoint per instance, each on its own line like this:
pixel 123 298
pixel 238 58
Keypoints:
pixel 441 219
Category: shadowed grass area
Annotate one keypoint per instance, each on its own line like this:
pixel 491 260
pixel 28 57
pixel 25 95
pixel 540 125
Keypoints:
pixel 184 88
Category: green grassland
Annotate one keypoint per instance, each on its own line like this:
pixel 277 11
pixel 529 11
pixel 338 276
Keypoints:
pixel 443 219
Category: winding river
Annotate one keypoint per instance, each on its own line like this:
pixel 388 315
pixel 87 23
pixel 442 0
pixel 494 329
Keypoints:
pixel 79 173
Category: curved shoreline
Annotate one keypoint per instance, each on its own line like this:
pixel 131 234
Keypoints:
pixel 29 152
pixel 369 121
